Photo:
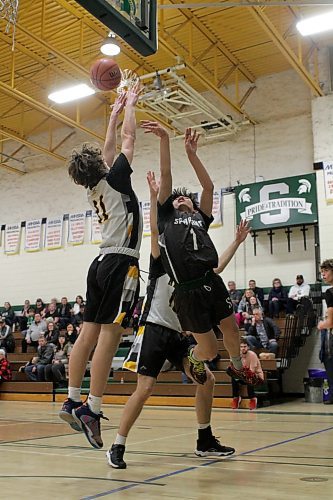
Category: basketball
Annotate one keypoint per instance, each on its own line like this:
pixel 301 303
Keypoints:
pixel 105 74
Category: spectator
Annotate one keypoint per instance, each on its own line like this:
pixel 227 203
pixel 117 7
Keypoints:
pixel 326 327
pixel 78 303
pixel 35 330
pixel 56 371
pixel 258 292
pixel 235 295
pixel 263 333
pixel 51 333
pixel 52 312
pixel 30 320
pixel 36 370
pixel 40 308
pixel 8 314
pixel 22 319
pixel 64 313
pixel 252 304
pixel 277 298
pixel 78 318
pixel 5 370
pixel 7 340
pixel 251 361
pixel 72 333
pixel 244 307
pixel 295 294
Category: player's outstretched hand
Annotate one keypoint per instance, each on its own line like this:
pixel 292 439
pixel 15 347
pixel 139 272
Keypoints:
pixel 242 230
pixel 191 141
pixel 153 184
pixel 133 93
pixel 119 104
pixel 151 127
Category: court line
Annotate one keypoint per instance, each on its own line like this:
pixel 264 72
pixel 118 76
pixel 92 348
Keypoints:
pixel 210 462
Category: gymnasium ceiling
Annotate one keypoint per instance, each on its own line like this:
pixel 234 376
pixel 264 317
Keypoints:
pixel 57 40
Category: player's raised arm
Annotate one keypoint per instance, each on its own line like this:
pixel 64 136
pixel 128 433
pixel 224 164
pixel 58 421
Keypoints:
pixel 191 146
pixel 110 145
pixel 165 188
pixel 129 124
pixel 153 189
pixel 242 231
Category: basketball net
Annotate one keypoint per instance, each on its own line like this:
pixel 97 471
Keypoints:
pixel 8 12
pixel 128 80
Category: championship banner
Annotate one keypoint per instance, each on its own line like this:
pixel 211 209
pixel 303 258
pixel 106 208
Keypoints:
pixel 12 238
pixel 76 228
pixel 328 180
pixel 33 235
pixel 145 207
pixel 95 234
pixel 217 209
pixel 53 233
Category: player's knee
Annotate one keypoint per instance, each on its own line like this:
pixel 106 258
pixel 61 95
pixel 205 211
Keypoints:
pixel 210 379
pixel 145 389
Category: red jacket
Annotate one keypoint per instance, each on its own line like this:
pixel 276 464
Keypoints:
pixel 5 371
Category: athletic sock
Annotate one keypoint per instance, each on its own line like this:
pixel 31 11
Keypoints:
pixel 193 355
pixel 74 393
pixel 203 426
pixel 237 362
pixel 120 439
pixel 94 403
pixel 205 433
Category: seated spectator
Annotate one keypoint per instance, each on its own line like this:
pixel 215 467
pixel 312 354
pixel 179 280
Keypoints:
pixel 52 312
pixel 244 307
pixel 251 361
pixel 51 334
pixel 277 298
pixel 7 340
pixel 295 294
pixel 56 371
pixel 30 320
pixel 234 294
pixel 78 303
pixel 8 314
pixel 72 333
pixel 263 333
pixel 40 308
pixel 5 370
pixel 258 292
pixel 252 304
pixel 22 319
pixel 35 330
pixel 36 370
pixel 64 313
pixel 78 318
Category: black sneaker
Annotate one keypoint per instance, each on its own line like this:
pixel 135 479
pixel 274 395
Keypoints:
pixel 66 414
pixel 213 448
pixel 115 456
pixel 197 368
pixel 91 424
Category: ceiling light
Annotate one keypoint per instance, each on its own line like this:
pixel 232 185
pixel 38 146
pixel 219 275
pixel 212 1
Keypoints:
pixel 316 24
pixel 71 93
pixel 110 46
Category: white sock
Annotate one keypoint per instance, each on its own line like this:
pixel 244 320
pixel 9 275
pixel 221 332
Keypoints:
pixel 120 439
pixel 74 393
pixel 203 426
pixel 94 403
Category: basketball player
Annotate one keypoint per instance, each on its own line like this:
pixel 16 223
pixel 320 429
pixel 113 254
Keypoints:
pixel 113 277
pixel 201 299
pixel 159 338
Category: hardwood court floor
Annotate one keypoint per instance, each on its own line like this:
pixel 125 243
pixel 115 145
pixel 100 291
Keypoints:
pixel 283 452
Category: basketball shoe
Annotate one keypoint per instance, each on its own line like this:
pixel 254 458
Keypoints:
pixel 212 447
pixel 235 403
pixel 66 414
pixel 115 456
pixel 197 368
pixel 253 404
pixel 244 374
pixel 91 424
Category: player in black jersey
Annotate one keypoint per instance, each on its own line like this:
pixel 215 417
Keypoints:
pixel 326 327
pixel 201 299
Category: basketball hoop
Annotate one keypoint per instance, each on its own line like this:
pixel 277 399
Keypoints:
pixel 8 12
pixel 128 80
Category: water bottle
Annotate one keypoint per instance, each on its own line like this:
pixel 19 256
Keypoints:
pixel 325 390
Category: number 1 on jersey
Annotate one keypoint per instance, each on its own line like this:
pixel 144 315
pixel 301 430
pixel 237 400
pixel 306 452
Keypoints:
pixel 194 236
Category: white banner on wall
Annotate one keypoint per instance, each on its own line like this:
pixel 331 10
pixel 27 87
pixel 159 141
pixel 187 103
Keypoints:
pixel 33 235
pixel 53 233
pixel 145 207
pixel 12 238
pixel 328 180
pixel 217 209
pixel 95 235
pixel 76 228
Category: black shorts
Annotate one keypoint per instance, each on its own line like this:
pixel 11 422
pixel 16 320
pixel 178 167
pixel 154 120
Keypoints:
pixel 201 309
pixel 112 289
pixel 152 346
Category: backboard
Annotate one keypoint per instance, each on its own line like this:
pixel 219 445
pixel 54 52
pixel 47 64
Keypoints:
pixel 133 20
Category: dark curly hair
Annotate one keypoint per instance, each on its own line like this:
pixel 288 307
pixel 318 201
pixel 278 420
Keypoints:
pixel 327 264
pixel 87 166
pixel 184 192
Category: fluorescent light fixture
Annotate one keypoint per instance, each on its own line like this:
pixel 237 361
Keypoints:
pixel 71 93
pixel 316 24
pixel 110 46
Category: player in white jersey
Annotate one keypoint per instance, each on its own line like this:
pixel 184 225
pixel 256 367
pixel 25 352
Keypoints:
pixel 113 277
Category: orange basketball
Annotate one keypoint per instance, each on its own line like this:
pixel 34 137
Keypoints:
pixel 105 74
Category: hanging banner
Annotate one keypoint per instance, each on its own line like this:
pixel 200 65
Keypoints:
pixel 328 180
pixel 12 238
pixel 95 235
pixel 145 207
pixel 53 233
pixel 217 209
pixel 291 201
pixel 33 235
pixel 76 228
